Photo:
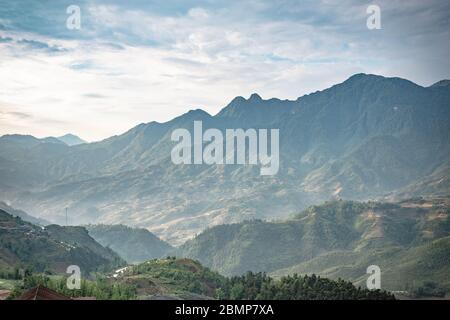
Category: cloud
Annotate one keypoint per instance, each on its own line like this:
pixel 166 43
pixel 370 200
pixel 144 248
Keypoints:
pixel 94 95
pixel 6 39
pixel 39 45
pixel 14 115
pixel 140 61
pixel 14 120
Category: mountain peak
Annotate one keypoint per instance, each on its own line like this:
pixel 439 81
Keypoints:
pixel 71 139
pixel 19 137
pixel 194 114
pixel 441 83
pixel 255 97
pixel 68 135
pixel 363 76
pixel 239 100
pixel 363 79
pixel 198 112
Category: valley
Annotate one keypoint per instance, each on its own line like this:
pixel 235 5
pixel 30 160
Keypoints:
pixel 408 240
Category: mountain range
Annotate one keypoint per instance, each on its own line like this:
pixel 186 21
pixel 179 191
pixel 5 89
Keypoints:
pixel 409 241
pixel 370 137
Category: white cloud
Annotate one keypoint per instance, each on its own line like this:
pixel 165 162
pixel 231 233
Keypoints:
pixel 129 65
pixel 198 13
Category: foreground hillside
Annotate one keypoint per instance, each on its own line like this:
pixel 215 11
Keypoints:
pixel 408 240
pixel 133 244
pixel 173 278
pixel 360 139
pixel 51 248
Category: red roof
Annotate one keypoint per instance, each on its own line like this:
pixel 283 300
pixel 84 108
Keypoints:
pixel 42 293
pixel 4 294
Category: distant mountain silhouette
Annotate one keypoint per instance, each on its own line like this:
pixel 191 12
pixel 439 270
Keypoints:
pixel 71 140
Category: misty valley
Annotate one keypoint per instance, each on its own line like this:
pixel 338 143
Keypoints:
pixel 361 180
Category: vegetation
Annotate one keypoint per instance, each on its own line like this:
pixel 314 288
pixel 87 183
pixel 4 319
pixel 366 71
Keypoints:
pixel 409 241
pixel 428 289
pixel 339 239
pixel 51 248
pixel 257 286
pixel 101 288
pixel 171 276
pixel 10 273
pixel 188 279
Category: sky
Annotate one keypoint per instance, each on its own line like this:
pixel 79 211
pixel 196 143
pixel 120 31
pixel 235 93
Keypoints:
pixel 141 61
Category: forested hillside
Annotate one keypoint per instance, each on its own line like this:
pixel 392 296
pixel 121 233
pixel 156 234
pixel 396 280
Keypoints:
pixel 187 279
pixel 408 240
pixel 51 248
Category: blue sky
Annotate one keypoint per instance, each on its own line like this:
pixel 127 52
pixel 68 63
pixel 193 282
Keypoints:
pixel 139 61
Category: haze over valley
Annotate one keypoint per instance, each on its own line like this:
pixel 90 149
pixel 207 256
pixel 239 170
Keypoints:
pixel 369 137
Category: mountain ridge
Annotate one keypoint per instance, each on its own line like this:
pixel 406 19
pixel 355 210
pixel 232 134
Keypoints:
pixel 364 138
pixel 337 239
pixel 52 248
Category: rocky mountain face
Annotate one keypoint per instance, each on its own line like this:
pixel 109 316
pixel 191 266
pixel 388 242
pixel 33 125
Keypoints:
pixel 365 138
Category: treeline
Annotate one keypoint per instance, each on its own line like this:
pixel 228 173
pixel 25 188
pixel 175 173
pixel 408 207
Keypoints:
pixel 428 289
pixel 251 286
pixel 10 273
pixel 259 286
